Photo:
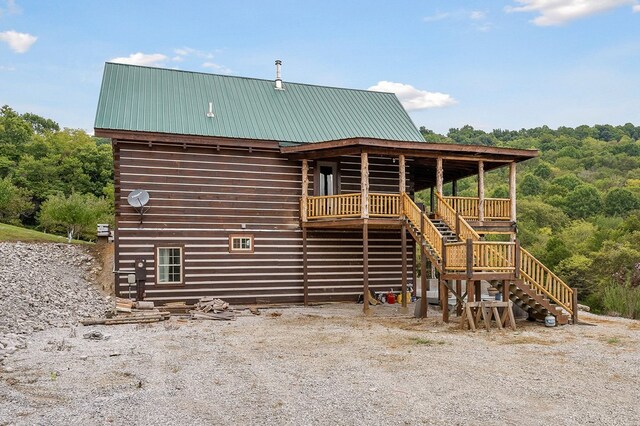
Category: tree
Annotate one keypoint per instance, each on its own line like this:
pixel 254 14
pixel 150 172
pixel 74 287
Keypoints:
pixel 576 272
pixel 619 202
pixel 14 202
pixel 531 185
pixel 78 214
pixel 583 202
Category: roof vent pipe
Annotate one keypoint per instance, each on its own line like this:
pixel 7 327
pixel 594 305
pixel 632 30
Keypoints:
pixel 210 113
pixel 278 79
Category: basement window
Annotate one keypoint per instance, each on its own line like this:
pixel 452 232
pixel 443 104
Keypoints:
pixel 241 243
pixel 169 261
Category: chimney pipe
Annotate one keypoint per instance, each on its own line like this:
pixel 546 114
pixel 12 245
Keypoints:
pixel 278 79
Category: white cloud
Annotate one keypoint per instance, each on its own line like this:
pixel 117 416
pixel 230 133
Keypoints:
pixel 217 67
pixel 636 8
pixel 7 68
pixel 413 99
pixel 477 15
pixel 186 51
pixel 18 42
pixel 558 12
pixel 147 59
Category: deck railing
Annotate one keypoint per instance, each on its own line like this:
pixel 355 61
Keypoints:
pixel 546 282
pixel 494 208
pixel 350 205
pixel 485 256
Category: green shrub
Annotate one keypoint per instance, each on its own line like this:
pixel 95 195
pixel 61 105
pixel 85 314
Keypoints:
pixel 622 300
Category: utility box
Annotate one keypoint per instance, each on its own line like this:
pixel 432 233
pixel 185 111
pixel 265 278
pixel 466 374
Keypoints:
pixel 103 230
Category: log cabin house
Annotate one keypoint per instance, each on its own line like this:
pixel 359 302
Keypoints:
pixel 267 191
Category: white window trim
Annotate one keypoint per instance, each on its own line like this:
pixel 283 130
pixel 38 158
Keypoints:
pixel 158 265
pixel 235 237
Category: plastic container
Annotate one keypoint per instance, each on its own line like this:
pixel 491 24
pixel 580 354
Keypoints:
pixel 391 298
pixel 550 321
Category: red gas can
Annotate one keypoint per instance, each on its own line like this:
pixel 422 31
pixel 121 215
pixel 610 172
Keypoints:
pixel 391 298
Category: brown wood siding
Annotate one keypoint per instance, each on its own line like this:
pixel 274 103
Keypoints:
pixel 201 195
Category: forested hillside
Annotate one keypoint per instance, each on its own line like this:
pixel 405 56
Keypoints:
pixel 578 204
pixel 58 180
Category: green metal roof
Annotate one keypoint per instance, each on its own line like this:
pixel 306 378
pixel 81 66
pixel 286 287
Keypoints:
pixel 148 99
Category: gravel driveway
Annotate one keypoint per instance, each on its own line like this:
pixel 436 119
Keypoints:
pixel 326 365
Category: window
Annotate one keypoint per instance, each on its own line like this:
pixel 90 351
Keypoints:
pixel 169 269
pixel 326 176
pixel 241 243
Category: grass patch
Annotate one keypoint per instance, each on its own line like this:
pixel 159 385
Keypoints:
pixel 427 342
pixel 16 233
pixel 622 300
pixel 528 340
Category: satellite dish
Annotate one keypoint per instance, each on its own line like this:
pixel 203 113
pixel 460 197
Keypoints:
pixel 138 198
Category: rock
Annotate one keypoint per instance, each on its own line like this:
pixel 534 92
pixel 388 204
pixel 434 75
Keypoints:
pixel 584 308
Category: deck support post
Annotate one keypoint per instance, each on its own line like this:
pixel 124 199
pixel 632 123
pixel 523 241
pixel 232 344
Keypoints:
pixel 439 175
pixel 364 185
pixel 459 291
pixel 404 264
pixel 444 300
pixel 305 191
pixel 512 190
pixel 454 188
pixel 574 306
pixel 517 259
pixel 470 292
pixel 481 191
pixel 365 266
pixel 478 286
pixel 305 271
pixel 505 290
pixel 423 282
pixel 414 269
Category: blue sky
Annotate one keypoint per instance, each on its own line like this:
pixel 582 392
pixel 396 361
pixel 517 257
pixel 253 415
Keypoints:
pixel 492 64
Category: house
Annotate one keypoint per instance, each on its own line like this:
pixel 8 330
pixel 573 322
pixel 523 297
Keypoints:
pixel 269 191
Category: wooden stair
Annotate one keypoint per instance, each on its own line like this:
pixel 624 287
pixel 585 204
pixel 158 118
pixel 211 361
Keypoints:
pixel 537 305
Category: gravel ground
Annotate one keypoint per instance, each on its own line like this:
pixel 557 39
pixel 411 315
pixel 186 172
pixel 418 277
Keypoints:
pixel 326 365
pixel 42 286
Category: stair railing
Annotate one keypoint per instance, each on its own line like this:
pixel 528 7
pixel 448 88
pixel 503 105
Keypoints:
pixel 456 222
pixel 421 222
pixel 544 281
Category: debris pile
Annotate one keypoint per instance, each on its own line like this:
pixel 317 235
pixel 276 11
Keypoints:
pixel 212 309
pixel 45 285
pixel 130 312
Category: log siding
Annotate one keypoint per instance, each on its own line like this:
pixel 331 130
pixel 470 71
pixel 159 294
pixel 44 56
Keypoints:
pixel 202 195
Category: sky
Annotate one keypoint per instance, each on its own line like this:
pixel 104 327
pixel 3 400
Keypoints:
pixel 491 64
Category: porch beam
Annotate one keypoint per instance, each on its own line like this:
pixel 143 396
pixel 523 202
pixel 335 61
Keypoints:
pixel 364 185
pixel 305 190
pixel 439 175
pixel 512 189
pixel 481 191
pixel 403 174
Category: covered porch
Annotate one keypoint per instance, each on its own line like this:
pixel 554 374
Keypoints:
pixel 419 166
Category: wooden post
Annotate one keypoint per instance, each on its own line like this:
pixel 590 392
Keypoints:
pixel 414 269
pixel 404 265
pixel 512 190
pixel 403 174
pixel 444 300
pixel 517 259
pixel 470 293
pixel 478 287
pixel 459 291
pixel 305 190
pixel 481 191
pixel 469 258
pixel 574 306
pixel 439 175
pixel 365 265
pixel 454 188
pixel 364 184
pixel 432 200
pixel 457 230
pixel 444 255
pixel 423 282
pixel 305 268
pixel 505 290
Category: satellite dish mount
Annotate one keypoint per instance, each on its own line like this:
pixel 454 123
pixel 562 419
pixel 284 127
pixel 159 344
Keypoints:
pixel 138 199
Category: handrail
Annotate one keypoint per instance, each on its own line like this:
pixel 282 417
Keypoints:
pixel 545 281
pixel 448 214
pixel 468 207
pixel 418 218
pixel 488 256
pixel 334 206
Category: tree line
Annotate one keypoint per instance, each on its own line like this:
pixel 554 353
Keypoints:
pixel 578 204
pixel 59 180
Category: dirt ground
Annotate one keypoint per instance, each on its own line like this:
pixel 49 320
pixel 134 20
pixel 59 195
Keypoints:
pixel 326 365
